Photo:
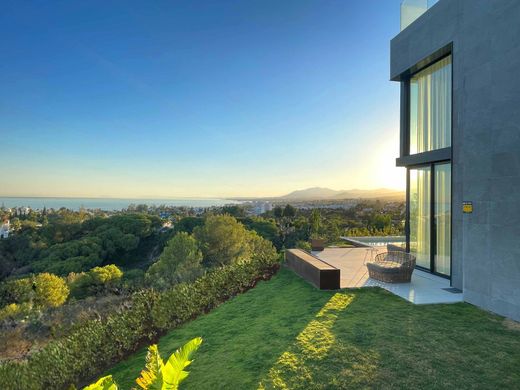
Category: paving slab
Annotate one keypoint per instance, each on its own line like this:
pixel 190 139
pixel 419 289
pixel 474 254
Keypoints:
pixel 424 288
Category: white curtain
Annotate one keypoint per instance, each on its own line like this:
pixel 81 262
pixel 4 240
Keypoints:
pixel 420 190
pixel 443 218
pixel 430 108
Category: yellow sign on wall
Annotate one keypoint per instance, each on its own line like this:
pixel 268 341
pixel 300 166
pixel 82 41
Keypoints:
pixel 467 207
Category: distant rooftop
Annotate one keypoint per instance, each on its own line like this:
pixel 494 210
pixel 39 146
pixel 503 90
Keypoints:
pixel 412 9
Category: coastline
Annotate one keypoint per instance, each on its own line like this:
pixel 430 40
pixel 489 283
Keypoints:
pixel 108 204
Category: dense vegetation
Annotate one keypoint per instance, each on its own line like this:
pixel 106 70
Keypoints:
pixel 74 277
pixel 288 227
pixel 64 241
pixel 99 254
pixel 67 241
pixel 285 334
pixel 96 344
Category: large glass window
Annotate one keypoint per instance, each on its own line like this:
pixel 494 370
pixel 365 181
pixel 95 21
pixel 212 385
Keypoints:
pixel 420 191
pixel 442 218
pixel 430 107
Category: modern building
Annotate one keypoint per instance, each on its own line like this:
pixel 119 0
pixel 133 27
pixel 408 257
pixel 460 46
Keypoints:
pixel 259 207
pixel 4 229
pixel 458 64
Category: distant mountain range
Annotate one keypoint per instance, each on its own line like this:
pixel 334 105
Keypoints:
pixel 319 193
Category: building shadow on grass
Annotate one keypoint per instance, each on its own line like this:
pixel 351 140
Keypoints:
pixel 310 361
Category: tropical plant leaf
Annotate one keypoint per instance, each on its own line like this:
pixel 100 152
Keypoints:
pixel 173 372
pixel 105 383
pixel 151 376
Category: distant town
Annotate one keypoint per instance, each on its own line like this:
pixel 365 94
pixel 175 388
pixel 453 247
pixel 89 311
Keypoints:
pixel 389 201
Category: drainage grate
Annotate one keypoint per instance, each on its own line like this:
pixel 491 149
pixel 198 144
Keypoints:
pixel 453 290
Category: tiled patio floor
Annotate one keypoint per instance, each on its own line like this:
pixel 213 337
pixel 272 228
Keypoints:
pixel 424 288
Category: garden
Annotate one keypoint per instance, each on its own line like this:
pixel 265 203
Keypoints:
pixel 285 334
pixel 194 274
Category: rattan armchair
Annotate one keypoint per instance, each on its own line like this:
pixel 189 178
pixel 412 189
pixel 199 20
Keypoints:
pixel 392 267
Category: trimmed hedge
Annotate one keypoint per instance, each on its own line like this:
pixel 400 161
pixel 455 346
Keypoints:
pixel 97 345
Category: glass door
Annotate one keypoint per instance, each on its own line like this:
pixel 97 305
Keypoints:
pixel 420 224
pixel 430 237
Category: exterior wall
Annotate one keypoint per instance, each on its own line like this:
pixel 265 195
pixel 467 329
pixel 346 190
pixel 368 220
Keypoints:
pixel 486 139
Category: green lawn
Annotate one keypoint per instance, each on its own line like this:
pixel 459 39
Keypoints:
pixel 286 334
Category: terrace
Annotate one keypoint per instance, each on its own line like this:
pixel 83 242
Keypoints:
pixel 424 288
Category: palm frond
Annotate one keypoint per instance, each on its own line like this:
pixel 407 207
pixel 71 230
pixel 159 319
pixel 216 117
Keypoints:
pixel 151 376
pixel 105 383
pixel 173 371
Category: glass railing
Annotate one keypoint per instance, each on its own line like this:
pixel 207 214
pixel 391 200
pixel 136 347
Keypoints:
pixel 412 9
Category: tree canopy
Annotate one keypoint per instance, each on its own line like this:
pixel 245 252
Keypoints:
pixel 73 242
pixel 180 261
pixel 223 240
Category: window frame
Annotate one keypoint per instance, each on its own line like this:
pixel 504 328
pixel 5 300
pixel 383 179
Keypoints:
pixel 429 158
pixel 433 231
pixel 409 102
pixel 406 159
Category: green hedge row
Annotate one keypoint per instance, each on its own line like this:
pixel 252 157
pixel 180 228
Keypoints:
pixel 97 345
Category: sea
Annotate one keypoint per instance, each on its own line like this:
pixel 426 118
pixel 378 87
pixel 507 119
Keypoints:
pixel 107 204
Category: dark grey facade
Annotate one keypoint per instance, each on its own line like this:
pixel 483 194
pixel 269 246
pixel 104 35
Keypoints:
pixel 483 37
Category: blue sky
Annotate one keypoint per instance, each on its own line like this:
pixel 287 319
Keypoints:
pixel 197 98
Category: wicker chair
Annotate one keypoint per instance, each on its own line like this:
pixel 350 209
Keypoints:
pixel 392 267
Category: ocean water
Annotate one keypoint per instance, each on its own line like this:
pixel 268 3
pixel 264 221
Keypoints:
pixel 107 204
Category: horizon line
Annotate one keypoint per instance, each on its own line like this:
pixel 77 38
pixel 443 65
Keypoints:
pixel 234 197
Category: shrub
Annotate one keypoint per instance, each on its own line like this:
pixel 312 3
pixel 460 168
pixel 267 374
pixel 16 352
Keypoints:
pixel 187 300
pixel 108 275
pixel 305 245
pixel 96 345
pixel 83 353
pixel 16 291
pixel 15 311
pixel 42 290
pixel 96 281
pixel 50 290
pixel 76 282
pixel 133 279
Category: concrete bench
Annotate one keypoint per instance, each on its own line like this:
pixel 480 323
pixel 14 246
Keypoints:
pixel 322 275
